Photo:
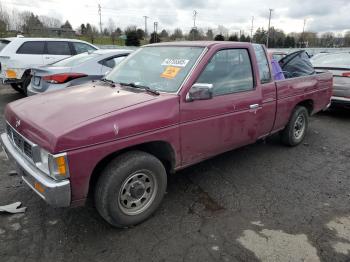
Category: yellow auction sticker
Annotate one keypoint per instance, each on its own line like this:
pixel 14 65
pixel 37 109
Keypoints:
pixel 170 72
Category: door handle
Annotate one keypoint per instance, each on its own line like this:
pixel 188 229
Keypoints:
pixel 254 106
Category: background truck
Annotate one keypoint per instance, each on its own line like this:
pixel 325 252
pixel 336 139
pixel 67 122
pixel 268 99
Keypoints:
pixel 165 107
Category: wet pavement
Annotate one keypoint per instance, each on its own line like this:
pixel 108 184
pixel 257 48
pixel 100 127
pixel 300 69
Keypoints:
pixel 263 202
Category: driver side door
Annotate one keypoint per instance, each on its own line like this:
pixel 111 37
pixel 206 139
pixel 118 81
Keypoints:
pixel 227 120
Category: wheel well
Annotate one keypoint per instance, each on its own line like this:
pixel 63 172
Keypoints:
pixel 26 73
pixel 160 149
pixel 308 104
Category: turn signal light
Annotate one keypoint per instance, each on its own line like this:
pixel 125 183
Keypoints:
pixel 62 78
pixel 11 73
pixel 39 187
pixel 61 166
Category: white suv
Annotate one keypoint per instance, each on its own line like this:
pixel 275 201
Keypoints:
pixel 19 54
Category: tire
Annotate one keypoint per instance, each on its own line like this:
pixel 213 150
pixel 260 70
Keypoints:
pixel 130 189
pixel 296 129
pixel 17 87
pixel 26 83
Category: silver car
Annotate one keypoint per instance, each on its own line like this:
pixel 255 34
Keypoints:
pixel 339 65
pixel 75 70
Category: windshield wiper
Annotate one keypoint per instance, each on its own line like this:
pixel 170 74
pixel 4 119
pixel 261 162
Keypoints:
pixel 112 83
pixel 146 88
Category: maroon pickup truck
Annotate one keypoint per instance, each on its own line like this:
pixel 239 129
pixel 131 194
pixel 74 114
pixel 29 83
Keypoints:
pixel 166 107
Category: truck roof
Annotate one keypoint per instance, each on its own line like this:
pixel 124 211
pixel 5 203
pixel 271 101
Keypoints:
pixel 199 43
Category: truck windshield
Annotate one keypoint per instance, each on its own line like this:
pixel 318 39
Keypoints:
pixel 161 68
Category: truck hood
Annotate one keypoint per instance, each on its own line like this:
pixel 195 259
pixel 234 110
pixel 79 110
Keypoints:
pixel 45 117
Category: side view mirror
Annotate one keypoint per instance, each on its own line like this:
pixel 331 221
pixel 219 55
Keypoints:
pixel 200 92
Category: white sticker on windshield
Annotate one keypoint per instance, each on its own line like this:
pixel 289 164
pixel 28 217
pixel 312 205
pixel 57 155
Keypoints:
pixel 175 62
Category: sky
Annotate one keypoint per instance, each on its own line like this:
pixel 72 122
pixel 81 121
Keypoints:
pixel 288 15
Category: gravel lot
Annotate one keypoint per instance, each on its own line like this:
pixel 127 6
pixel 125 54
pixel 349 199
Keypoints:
pixel 264 202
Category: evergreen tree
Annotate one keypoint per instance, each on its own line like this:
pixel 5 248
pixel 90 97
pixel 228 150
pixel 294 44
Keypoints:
pixel 219 38
pixel 132 39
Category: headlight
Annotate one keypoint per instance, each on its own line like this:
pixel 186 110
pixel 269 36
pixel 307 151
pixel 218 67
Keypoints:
pixel 56 166
pixel 43 163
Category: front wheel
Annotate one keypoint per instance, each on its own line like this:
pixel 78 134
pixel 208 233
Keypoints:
pixel 296 129
pixel 130 188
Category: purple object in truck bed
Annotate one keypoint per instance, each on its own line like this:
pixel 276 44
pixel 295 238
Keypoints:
pixel 276 70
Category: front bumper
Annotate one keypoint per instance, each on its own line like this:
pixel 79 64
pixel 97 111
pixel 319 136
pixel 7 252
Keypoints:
pixel 32 91
pixel 340 101
pixel 55 193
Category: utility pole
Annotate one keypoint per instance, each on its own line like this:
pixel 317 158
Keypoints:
pixel 99 13
pixel 303 34
pixel 251 30
pixel 155 32
pixel 194 18
pixel 146 17
pixel 195 13
pixel 268 30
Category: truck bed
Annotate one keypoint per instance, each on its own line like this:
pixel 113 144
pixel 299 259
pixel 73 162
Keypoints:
pixel 314 89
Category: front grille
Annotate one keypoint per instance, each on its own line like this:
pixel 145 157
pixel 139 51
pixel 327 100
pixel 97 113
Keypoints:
pixel 20 142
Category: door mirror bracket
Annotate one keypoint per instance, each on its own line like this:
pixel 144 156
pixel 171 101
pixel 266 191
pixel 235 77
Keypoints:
pixel 200 91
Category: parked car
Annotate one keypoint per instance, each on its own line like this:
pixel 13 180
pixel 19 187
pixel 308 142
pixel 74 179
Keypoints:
pixel 75 70
pixel 339 65
pixel 165 107
pixel 19 54
pixel 277 55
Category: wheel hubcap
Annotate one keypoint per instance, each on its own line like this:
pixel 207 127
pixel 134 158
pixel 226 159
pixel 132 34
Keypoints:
pixel 299 127
pixel 137 192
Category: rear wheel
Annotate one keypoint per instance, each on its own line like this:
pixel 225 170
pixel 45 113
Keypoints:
pixel 296 129
pixel 26 83
pixel 130 188
pixel 17 87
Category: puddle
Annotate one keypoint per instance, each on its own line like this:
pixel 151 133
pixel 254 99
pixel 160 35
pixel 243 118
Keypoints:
pixel 274 245
pixel 342 228
pixel 209 203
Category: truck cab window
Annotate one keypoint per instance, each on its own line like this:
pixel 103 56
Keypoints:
pixel 229 71
pixel 263 64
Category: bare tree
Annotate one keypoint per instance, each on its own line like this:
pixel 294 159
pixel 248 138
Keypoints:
pixel 4 20
pixel 16 22
pixel 222 30
pixel 111 26
pixel 347 38
pixel 50 22
pixel 177 35
pixel 327 39
pixel 111 30
pixel 91 32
